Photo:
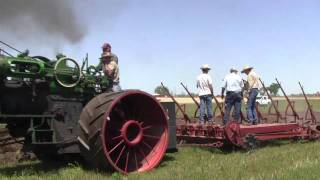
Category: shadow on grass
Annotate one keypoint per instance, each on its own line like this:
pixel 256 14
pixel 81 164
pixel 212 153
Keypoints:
pixel 48 165
pixel 167 158
pixel 51 165
pixel 33 168
pixel 229 148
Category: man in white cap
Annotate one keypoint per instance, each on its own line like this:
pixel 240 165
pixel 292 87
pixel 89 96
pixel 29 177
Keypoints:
pixel 204 85
pixel 253 89
pixel 233 84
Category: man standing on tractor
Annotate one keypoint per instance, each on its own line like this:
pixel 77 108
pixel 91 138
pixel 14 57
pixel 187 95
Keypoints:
pixel 204 85
pixel 253 89
pixel 233 84
pixel 106 47
pixel 111 70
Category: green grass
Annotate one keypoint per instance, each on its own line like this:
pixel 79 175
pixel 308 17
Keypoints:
pixel 277 160
pixel 282 160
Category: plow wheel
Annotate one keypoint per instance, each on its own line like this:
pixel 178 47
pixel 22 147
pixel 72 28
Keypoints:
pixel 232 131
pixel 126 131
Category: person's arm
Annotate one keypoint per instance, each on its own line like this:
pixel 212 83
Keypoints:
pixel 115 58
pixel 211 89
pixel 223 88
pixel 198 83
pixel 241 83
pixel 222 92
pixel 210 85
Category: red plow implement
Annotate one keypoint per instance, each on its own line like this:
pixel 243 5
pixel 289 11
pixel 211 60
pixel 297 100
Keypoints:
pixel 274 125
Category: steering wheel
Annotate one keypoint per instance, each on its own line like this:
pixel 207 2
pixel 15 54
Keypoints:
pixel 62 67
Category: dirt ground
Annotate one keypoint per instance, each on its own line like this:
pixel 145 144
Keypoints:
pixel 11 148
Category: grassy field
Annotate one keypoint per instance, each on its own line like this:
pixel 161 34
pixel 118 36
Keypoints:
pixel 282 160
pixel 275 160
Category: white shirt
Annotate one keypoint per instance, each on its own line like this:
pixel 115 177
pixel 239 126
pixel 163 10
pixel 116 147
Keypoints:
pixel 203 82
pixel 233 82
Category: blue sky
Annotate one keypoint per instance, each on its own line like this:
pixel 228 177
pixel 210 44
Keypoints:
pixel 168 40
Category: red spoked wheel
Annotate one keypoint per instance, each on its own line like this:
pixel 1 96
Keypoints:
pixel 232 131
pixel 127 131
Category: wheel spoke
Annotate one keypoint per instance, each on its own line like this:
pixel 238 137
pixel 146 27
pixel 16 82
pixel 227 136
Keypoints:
pixel 150 136
pixel 135 158
pixel 120 154
pixel 147 127
pixel 143 142
pixel 115 147
pixel 144 156
pixel 127 162
pixel 117 137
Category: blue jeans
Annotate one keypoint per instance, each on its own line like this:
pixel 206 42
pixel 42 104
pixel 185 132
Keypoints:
pixel 232 99
pixel 251 106
pixel 205 103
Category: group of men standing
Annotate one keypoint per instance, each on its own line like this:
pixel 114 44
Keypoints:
pixel 233 86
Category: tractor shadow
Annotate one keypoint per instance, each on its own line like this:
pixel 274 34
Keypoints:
pixel 48 165
pixel 52 165
pixel 166 159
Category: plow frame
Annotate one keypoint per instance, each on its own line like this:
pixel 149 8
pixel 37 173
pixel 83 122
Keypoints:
pixel 290 104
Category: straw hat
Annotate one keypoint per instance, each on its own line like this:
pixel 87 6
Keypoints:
pixel 246 68
pixel 205 66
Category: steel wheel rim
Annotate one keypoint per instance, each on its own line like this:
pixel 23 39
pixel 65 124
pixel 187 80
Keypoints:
pixel 144 150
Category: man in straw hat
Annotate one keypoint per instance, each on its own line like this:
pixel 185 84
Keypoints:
pixel 233 85
pixel 253 89
pixel 111 70
pixel 204 85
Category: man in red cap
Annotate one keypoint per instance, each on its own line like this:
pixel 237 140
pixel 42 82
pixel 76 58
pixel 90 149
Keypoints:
pixel 111 71
pixel 106 47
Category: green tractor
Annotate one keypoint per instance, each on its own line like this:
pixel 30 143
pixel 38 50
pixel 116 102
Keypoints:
pixel 61 108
